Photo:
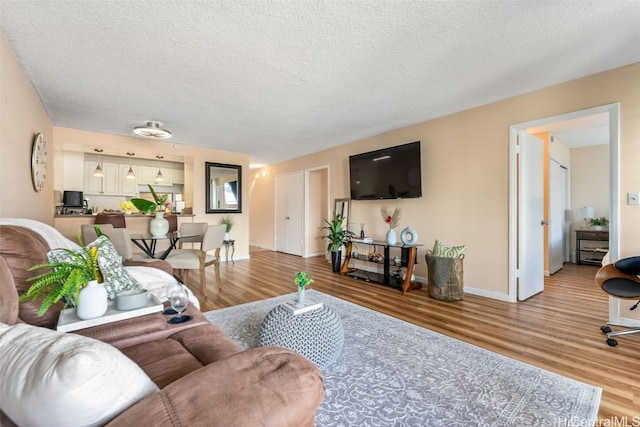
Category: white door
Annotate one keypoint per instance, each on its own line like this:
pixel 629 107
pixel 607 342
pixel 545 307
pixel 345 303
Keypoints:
pixel 530 222
pixel 289 213
pixel 557 208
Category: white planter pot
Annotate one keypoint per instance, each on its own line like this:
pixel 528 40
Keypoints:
pixel 92 301
pixel 159 226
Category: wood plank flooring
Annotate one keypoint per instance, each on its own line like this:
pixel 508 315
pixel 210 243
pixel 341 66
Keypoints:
pixel 558 330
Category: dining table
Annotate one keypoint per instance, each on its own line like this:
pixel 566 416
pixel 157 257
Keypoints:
pixel 147 242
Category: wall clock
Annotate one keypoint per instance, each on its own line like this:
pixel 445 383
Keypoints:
pixel 38 162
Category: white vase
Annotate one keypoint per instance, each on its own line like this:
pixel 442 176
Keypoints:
pixel 159 226
pixel 92 301
pixel 300 297
pixel 392 238
pixel 227 236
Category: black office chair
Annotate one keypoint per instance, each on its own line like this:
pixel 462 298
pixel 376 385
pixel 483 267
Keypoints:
pixel 620 280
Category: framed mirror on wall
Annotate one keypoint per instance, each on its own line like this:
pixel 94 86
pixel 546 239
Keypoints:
pixel 342 208
pixel 223 185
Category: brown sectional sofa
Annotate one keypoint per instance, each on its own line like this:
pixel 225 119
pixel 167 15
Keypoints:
pixel 203 376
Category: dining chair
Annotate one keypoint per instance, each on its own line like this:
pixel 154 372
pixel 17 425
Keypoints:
pixel 173 222
pixel 193 229
pixel 116 219
pixel 184 260
pixel 119 238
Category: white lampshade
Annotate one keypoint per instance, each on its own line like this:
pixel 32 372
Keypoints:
pixel 584 213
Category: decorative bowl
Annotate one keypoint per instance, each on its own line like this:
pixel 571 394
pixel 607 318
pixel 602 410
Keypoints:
pixel 129 300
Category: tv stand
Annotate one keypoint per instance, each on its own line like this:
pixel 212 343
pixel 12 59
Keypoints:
pixel 408 257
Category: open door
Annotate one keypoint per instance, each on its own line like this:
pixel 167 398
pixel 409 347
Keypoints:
pixel 531 215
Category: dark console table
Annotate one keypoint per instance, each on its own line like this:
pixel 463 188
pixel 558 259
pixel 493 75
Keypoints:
pixel 593 252
pixel 409 255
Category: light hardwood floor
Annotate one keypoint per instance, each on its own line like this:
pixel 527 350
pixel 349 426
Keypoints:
pixel 558 330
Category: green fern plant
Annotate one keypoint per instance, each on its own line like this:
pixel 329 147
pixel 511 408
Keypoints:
pixel 63 280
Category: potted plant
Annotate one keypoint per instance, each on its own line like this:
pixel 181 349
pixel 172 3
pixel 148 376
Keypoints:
pixel 64 278
pixel 599 223
pixel 227 220
pixel 159 226
pixel 338 236
pixel 302 280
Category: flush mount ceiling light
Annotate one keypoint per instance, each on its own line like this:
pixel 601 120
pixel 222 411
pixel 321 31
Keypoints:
pixel 159 177
pixel 152 130
pixel 131 174
pixel 98 172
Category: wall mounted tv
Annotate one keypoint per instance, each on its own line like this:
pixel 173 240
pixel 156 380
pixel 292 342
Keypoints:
pixel 389 173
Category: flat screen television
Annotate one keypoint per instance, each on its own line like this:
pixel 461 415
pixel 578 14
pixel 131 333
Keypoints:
pixel 389 173
pixel 72 199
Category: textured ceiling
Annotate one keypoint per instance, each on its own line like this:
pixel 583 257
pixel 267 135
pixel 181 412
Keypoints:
pixel 282 79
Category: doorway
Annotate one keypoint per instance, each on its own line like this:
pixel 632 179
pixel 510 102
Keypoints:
pixel 517 237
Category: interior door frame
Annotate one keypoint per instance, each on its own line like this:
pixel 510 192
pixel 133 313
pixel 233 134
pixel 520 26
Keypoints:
pixel 614 197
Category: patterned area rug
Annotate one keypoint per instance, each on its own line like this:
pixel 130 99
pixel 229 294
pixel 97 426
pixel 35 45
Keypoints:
pixel 393 373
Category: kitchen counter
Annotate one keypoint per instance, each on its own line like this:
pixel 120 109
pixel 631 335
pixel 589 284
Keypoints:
pixel 69 225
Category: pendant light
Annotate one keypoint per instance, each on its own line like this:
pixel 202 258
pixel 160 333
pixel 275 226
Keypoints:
pixel 159 177
pixel 98 172
pixel 131 174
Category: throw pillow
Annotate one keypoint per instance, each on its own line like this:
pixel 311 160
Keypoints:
pixel 116 278
pixel 53 378
pixel 448 252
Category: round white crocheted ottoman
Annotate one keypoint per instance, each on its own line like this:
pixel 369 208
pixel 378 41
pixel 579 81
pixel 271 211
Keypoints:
pixel 318 334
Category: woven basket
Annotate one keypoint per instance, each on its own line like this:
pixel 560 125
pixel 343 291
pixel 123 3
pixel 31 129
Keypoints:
pixel 453 290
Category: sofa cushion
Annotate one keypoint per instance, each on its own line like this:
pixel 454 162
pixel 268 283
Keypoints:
pixel 116 277
pixel 23 248
pixel 69 380
pixel 8 295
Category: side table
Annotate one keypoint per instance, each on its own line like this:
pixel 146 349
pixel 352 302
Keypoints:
pixel 229 244
pixel 318 334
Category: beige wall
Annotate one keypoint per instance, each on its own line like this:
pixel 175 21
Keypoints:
pixel 465 174
pixel 22 116
pixel 589 175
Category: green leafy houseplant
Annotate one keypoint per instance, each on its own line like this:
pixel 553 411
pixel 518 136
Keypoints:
pixel 149 207
pixel 303 279
pixel 63 279
pixel 227 220
pixel 601 221
pixel 337 235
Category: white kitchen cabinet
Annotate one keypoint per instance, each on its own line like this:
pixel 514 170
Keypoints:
pixel 126 186
pixel 107 185
pixel 148 176
pixel 178 176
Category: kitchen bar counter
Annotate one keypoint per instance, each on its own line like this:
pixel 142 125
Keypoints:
pixel 69 225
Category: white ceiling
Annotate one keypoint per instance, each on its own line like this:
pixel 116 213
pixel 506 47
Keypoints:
pixel 281 79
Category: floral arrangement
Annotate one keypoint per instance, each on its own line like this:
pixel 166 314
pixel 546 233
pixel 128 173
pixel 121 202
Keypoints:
pixel 126 206
pixel 147 206
pixel 390 218
pixel 303 279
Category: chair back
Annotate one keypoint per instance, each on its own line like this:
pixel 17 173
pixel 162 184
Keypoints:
pixel 119 238
pixel 88 232
pixel 195 229
pixel 173 222
pixel 213 237
pixel 115 219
